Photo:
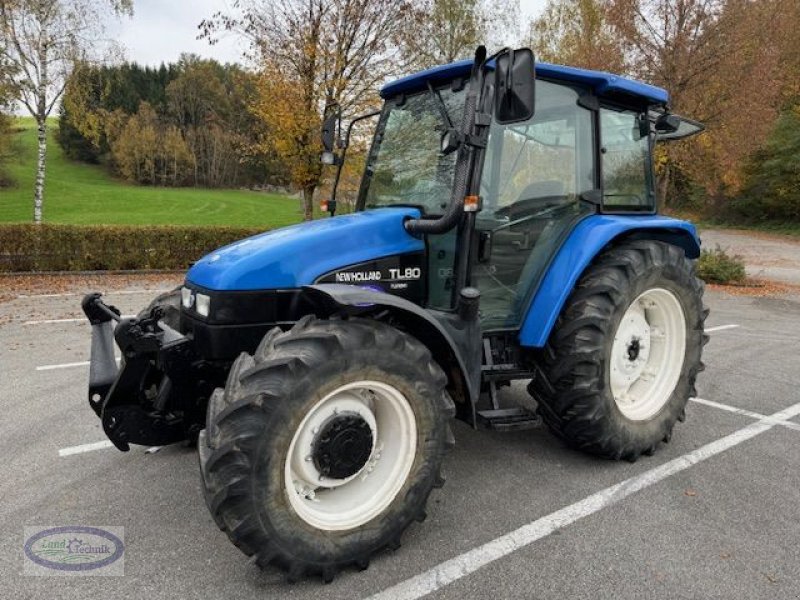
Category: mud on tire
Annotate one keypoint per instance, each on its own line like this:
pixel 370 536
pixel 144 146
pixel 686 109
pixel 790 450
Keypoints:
pixel 572 383
pixel 251 425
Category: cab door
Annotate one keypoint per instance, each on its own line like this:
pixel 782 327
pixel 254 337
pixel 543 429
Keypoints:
pixel 534 175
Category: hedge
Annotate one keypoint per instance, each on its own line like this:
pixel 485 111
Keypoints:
pixel 108 247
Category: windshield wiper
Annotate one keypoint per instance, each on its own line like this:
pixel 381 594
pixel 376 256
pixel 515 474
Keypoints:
pixel 440 105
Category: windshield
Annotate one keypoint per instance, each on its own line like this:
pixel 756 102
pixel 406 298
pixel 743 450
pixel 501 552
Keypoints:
pixel 405 165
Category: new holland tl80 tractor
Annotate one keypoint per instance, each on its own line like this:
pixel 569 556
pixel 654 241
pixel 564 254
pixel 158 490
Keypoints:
pixel 505 229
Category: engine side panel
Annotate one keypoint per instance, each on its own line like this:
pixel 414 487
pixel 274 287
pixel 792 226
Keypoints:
pixel 401 275
pixel 585 242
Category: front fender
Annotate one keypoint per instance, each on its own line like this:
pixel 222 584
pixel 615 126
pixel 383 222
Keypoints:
pixel 455 344
pixel 586 241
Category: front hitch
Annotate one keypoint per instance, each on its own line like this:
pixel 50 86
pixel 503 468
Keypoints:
pixel 103 368
pixel 132 400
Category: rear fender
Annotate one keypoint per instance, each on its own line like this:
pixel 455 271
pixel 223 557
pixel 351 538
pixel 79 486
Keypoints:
pixel 589 238
pixel 454 343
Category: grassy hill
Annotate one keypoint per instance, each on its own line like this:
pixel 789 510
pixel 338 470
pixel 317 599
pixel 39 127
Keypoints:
pixel 84 194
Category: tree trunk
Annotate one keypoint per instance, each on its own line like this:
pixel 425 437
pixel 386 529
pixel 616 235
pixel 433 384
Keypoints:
pixel 38 194
pixel 41 122
pixel 308 202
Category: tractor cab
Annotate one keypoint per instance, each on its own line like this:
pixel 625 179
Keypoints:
pixel 581 146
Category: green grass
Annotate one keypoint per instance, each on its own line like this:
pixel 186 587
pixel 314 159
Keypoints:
pixel 84 194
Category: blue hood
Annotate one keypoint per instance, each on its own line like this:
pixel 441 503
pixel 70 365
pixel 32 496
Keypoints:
pixel 294 256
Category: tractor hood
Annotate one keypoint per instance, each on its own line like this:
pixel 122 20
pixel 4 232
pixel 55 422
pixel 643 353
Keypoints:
pixel 294 256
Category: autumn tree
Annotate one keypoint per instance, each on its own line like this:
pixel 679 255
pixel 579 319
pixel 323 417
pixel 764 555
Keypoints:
pixel 43 38
pixel 720 61
pixel 724 62
pixel 203 102
pixel 438 32
pixel 576 33
pixel 771 189
pixel 312 55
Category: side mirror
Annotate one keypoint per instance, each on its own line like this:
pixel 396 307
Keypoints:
pixel 642 129
pixel 515 86
pixel 668 123
pixel 329 131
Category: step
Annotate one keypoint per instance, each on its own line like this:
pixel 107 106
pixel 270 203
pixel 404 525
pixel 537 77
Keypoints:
pixel 508 419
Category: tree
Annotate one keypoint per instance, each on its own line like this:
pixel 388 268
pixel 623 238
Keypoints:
pixel 312 55
pixel 206 103
pixel 720 61
pixel 43 38
pixel 576 33
pixel 724 62
pixel 772 176
pixel 438 32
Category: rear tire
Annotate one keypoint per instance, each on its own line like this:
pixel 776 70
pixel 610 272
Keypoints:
pixel 249 449
pixel 620 398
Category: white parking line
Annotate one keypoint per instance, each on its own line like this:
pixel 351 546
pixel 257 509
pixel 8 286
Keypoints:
pixel 85 448
pixel 746 413
pixel 472 560
pixel 721 328
pixel 73 294
pixel 56 321
pixel 83 363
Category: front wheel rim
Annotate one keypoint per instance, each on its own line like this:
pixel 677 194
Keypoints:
pixel 352 498
pixel 647 354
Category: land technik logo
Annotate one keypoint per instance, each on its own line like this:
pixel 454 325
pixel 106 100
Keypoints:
pixel 74 550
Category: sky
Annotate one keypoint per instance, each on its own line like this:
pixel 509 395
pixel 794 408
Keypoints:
pixel 160 31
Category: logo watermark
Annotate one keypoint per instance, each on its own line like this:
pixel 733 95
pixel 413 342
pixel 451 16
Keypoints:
pixel 74 550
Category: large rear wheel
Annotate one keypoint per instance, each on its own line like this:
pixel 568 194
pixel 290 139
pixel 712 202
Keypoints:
pixel 623 357
pixel 325 445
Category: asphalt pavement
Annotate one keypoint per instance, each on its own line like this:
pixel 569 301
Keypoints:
pixel 766 256
pixel 713 514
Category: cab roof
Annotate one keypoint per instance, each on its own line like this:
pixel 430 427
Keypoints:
pixel 602 83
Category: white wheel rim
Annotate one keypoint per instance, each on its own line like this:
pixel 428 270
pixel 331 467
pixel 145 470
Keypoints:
pixel 647 354
pixel 341 504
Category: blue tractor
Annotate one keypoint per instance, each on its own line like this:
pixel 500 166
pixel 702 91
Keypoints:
pixel 505 229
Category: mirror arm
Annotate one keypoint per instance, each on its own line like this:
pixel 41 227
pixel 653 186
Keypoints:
pixel 344 145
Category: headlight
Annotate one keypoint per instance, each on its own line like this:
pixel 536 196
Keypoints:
pixel 187 298
pixel 202 304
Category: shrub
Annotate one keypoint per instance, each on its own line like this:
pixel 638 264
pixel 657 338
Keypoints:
pixel 89 248
pixel 717 266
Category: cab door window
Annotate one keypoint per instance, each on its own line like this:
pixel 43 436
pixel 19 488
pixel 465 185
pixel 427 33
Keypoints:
pixel 627 170
pixel 533 176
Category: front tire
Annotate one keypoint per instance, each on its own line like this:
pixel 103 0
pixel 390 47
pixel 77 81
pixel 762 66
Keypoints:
pixel 623 357
pixel 324 446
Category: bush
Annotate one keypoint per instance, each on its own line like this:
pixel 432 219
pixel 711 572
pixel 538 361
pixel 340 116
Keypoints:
pixel 717 266
pixel 91 248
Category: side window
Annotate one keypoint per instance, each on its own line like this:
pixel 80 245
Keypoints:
pixel 627 171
